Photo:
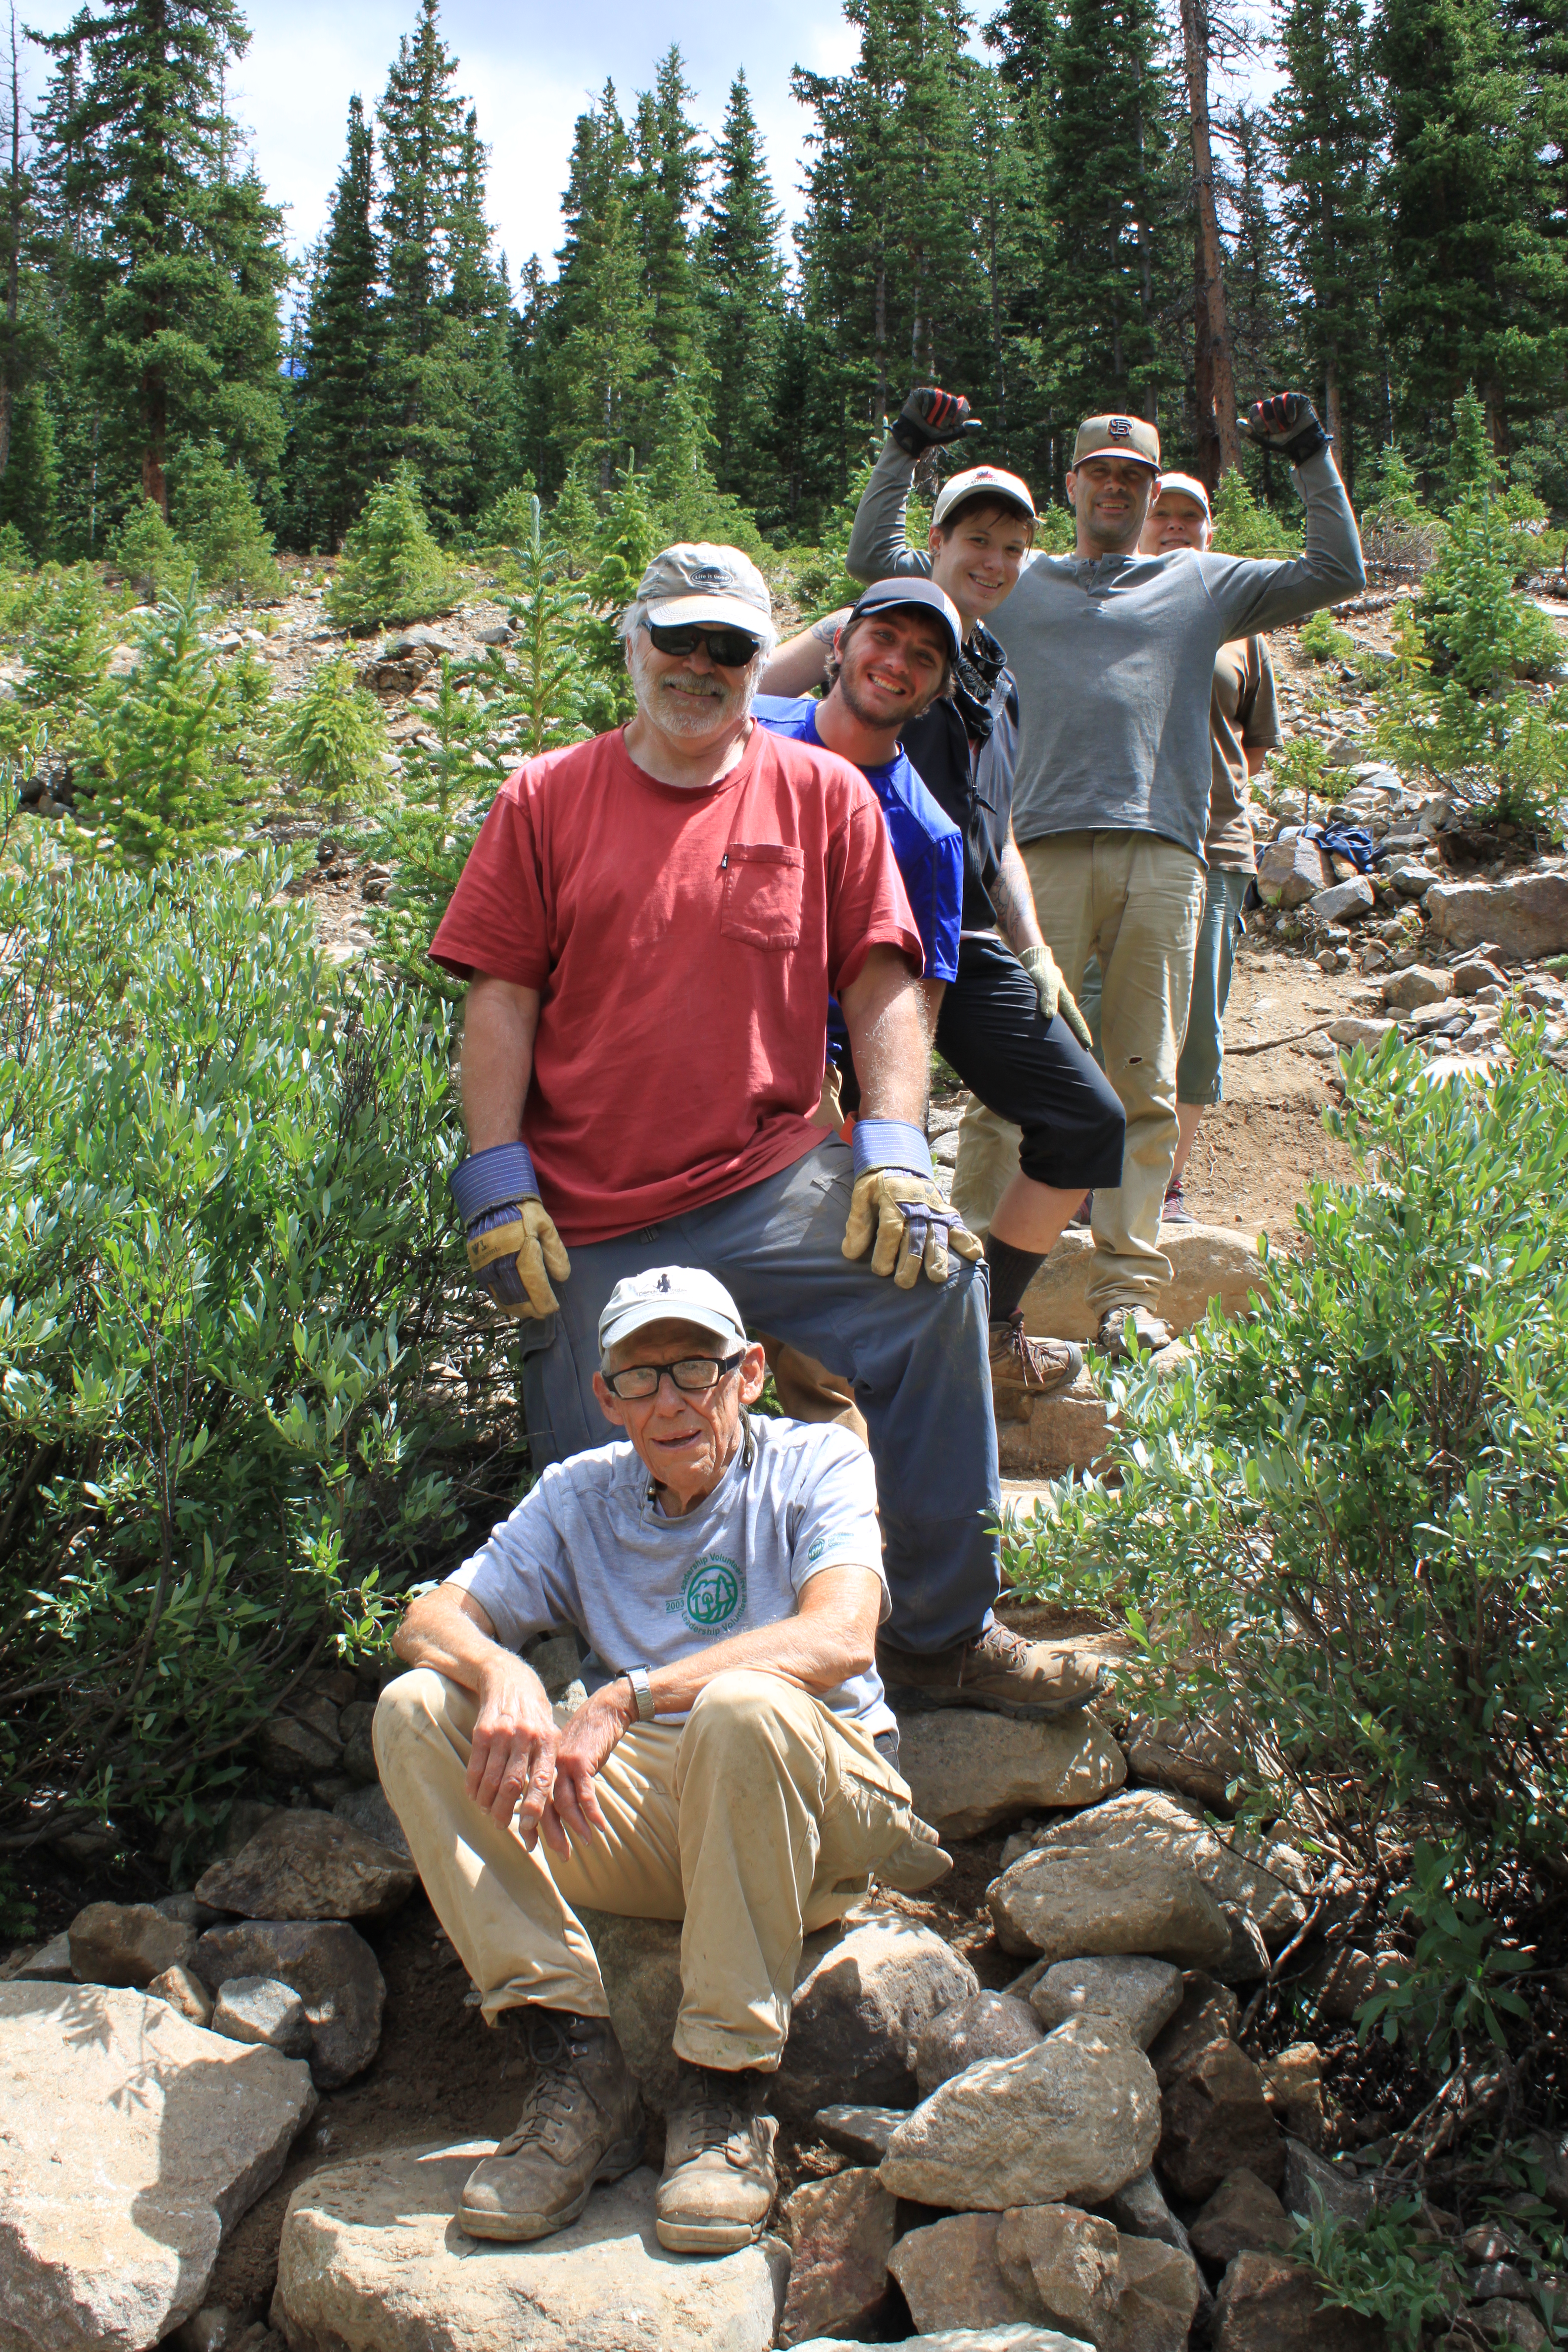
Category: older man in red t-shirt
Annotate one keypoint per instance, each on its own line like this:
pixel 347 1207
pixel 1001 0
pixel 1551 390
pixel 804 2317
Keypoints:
pixel 651 924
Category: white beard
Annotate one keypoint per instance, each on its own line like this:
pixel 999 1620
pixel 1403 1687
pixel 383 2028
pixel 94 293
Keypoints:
pixel 721 698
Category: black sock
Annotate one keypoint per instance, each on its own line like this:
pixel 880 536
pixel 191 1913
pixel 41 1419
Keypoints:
pixel 1012 1271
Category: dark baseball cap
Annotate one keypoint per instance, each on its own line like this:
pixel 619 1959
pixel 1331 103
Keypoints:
pixel 914 596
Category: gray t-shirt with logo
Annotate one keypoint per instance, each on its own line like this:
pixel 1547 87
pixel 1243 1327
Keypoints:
pixel 590 1548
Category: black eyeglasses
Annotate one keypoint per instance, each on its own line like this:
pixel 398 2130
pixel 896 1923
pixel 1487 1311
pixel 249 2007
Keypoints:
pixel 692 1374
pixel 728 648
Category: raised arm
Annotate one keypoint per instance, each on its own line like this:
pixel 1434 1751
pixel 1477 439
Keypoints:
pixel 877 548
pixel 801 662
pixel 1255 596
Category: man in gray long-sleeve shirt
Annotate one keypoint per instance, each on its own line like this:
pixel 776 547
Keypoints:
pixel 1113 652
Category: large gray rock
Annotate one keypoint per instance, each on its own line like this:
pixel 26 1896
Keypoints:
pixel 1417 984
pixel 127 1944
pixel 370 1813
pixel 1291 872
pixel 949 2275
pixel 859 2011
pixel 129 2141
pixel 1216 2121
pixel 988 2025
pixel 1118 1878
pixel 968 1771
pixel 309 1865
pixel 840 2233
pixel 1242 2217
pixel 1207 1262
pixel 1527 917
pixel 639 1960
pixel 1269 2303
pixel 371 2260
pixel 330 1965
pixel 1071 2119
pixel 1139 1995
pixel 1019 2338
pixel 1139 2210
pixel 1075 2270
pixel 48 1963
pixel 860 2132
pixel 262 2008
pixel 296 1750
pixel 1342 902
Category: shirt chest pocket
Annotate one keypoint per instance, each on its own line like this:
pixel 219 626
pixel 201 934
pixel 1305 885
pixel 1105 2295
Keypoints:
pixel 764 884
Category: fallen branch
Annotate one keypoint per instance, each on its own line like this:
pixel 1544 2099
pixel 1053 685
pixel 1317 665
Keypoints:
pixel 1267 1044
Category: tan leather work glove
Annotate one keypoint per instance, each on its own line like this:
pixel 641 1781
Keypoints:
pixel 896 1200
pixel 1053 994
pixel 512 1244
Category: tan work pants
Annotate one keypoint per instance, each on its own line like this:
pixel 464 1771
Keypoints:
pixel 807 1391
pixel 755 1822
pixel 1136 901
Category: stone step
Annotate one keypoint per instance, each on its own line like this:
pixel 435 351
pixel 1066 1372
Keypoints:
pixel 1207 1262
pixel 1054 1435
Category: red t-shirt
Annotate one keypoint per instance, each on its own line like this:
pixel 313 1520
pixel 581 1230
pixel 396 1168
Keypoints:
pixel 685 944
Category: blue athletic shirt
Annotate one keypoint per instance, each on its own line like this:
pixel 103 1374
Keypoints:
pixel 928 847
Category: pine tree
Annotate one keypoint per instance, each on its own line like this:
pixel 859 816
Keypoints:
pixel 220 522
pixel 599 318
pixel 393 569
pixel 1477 269
pixel 478 311
pixel 743 287
pixel 25 336
pixel 173 265
pixel 334 745
pixel 666 183
pixel 30 488
pixel 421 120
pixel 342 429
pixel 1326 124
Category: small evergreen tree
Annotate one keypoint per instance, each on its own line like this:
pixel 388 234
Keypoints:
pixel 67 645
pixel 30 486
pixel 219 521
pixel 1242 527
pixel 627 538
pixel 393 569
pixel 164 774
pixel 334 746
pixel 149 554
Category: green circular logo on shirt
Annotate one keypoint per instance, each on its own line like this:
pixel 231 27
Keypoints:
pixel 713 1594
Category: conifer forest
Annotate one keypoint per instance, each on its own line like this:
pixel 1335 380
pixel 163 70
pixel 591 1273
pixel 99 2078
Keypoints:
pixel 1057 209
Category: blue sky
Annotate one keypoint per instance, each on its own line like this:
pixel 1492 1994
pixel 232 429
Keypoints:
pixel 530 70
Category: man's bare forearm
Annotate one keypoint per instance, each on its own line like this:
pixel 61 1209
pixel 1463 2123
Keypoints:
pixel 499 1025
pixel 1013 900
pixel 889 1037
pixel 436 1632
pixel 819 1647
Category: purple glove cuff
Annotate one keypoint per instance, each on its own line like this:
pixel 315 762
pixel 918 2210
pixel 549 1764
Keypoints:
pixel 496 1179
pixel 890 1144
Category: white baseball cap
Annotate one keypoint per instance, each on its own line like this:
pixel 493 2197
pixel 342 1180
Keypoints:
pixel 1186 486
pixel 989 480
pixel 671 1294
pixel 695 582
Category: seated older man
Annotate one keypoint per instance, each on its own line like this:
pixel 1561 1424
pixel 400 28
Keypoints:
pixel 733 1767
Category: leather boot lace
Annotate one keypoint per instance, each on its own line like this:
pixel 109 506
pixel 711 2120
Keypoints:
pixel 555 2043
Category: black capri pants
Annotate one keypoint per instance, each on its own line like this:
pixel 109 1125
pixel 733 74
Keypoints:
pixel 1030 1071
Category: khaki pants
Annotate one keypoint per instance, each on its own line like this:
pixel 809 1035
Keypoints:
pixel 758 1821
pixel 807 1391
pixel 1135 900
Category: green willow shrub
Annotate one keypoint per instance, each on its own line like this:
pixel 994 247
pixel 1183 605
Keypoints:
pixel 230 1301
pixel 1347 1518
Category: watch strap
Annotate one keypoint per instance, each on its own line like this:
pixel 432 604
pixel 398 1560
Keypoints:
pixel 642 1691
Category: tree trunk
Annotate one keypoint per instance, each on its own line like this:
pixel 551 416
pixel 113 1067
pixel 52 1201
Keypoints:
pixel 1216 413
pixel 879 316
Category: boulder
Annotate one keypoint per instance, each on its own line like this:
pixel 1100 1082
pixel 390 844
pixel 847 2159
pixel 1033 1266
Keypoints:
pixel 1139 2210
pixel 968 1771
pixel 1139 1995
pixel 369 1812
pixel 50 1963
pixel 949 2275
pixel 1526 917
pixel 1293 2087
pixel 130 2142
pixel 1095 1898
pixel 1162 2292
pixel 840 2233
pixel 262 2008
pixel 358 1755
pixel 988 2025
pixel 127 1944
pixel 294 1750
pixel 1124 2295
pixel 1342 902
pixel 1468 979
pixel 860 2132
pixel 1264 1877
pixel 330 1965
pixel 639 1960
pixel 1311 2180
pixel 1269 2305
pixel 1355 1029
pixel 1208 2015
pixel 1242 2217
pixel 1291 872
pixel 1195 1760
pixel 371 2260
pixel 184 1990
pixel 1073 2118
pixel 1050 1435
pixel 1417 984
pixel 1217 2121
pixel 1207 1262
pixel 309 1865
pixel 1018 2336
pixel 858 2013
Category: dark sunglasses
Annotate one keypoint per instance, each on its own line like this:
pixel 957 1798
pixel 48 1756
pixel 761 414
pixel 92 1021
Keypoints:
pixel 728 648
pixel 692 1374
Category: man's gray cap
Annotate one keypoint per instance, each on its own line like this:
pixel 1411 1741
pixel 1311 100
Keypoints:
pixel 917 596
pixel 694 582
pixel 671 1294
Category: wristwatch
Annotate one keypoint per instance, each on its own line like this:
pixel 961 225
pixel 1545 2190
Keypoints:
pixel 642 1691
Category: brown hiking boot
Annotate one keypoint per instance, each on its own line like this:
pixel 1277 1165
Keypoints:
pixel 719 2180
pixel 1023 1367
pixel 582 2122
pixel 999 1673
pixel 1119 1325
